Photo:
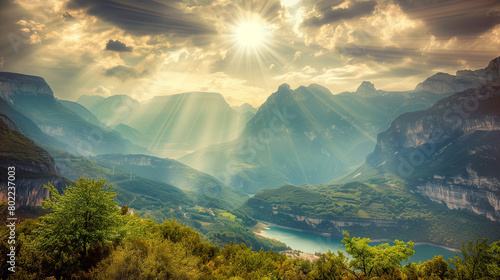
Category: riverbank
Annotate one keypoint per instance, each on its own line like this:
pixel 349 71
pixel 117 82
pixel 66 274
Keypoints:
pixel 263 225
pixel 259 228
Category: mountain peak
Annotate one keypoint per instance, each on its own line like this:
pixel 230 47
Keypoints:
pixel 284 87
pixel 493 69
pixel 12 84
pixel 366 87
pixel 443 83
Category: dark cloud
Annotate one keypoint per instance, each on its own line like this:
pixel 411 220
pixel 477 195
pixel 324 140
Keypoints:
pixel 117 46
pixel 378 54
pixel 122 72
pixel 14 44
pixel 449 18
pixel 329 14
pixel 146 17
pixel 68 17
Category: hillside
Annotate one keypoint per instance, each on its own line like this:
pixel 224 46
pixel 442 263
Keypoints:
pixel 376 210
pixel 34 98
pixel 33 166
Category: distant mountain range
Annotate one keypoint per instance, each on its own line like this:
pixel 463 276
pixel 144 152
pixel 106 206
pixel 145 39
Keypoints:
pixel 173 125
pixel 306 135
pixel 32 97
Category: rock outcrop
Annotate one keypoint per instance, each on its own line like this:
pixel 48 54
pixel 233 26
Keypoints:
pixel 442 83
pixel 33 167
pixel 451 151
pixel 14 84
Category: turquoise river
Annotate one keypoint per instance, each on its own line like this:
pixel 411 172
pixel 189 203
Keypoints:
pixel 311 242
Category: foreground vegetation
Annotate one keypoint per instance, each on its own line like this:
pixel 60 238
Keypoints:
pixel 87 236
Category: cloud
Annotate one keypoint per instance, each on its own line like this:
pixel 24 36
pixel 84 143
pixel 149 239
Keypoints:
pixel 102 90
pixel 329 13
pixel 450 18
pixel 13 42
pixel 146 17
pixel 122 72
pixel 68 16
pixel 117 46
pixel 379 54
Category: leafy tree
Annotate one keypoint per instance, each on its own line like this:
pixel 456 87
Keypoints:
pixel 382 259
pixel 84 218
pixel 437 268
pixel 330 266
pixel 140 259
pixel 481 261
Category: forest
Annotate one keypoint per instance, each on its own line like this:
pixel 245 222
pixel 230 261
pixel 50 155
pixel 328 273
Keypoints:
pixel 86 235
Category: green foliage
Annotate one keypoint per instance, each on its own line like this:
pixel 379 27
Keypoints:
pixel 480 261
pixel 391 202
pixel 330 266
pixel 227 231
pixel 437 268
pixel 84 217
pixel 382 259
pixel 87 236
pixel 139 259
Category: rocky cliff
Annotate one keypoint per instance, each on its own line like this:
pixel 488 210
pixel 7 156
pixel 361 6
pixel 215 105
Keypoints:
pixel 18 84
pixel 34 167
pixel 451 151
pixel 442 83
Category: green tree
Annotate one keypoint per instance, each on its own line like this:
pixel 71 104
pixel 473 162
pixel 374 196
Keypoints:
pixel 437 268
pixel 84 218
pixel 382 259
pixel 480 261
pixel 330 266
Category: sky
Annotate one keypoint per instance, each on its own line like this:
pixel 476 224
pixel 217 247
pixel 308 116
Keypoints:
pixel 242 49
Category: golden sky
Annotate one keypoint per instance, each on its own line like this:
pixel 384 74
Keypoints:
pixel 242 49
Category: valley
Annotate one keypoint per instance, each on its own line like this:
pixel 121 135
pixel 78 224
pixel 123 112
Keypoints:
pixel 384 165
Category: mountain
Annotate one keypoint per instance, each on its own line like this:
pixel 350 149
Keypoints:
pixel 442 83
pixel 28 128
pixel 88 101
pixel 132 134
pixel 450 152
pixel 81 111
pixel 205 189
pixel 150 197
pixel 245 108
pixel 114 109
pixel 33 166
pixel 173 125
pixel 33 97
pixel 306 135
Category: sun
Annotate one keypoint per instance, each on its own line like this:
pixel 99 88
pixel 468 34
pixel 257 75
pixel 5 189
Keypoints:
pixel 250 43
pixel 251 33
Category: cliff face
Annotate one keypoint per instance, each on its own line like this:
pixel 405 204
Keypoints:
pixel 34 167
pixel 457 197
pixel 450 152
pixel 12 84
pixel 442 83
